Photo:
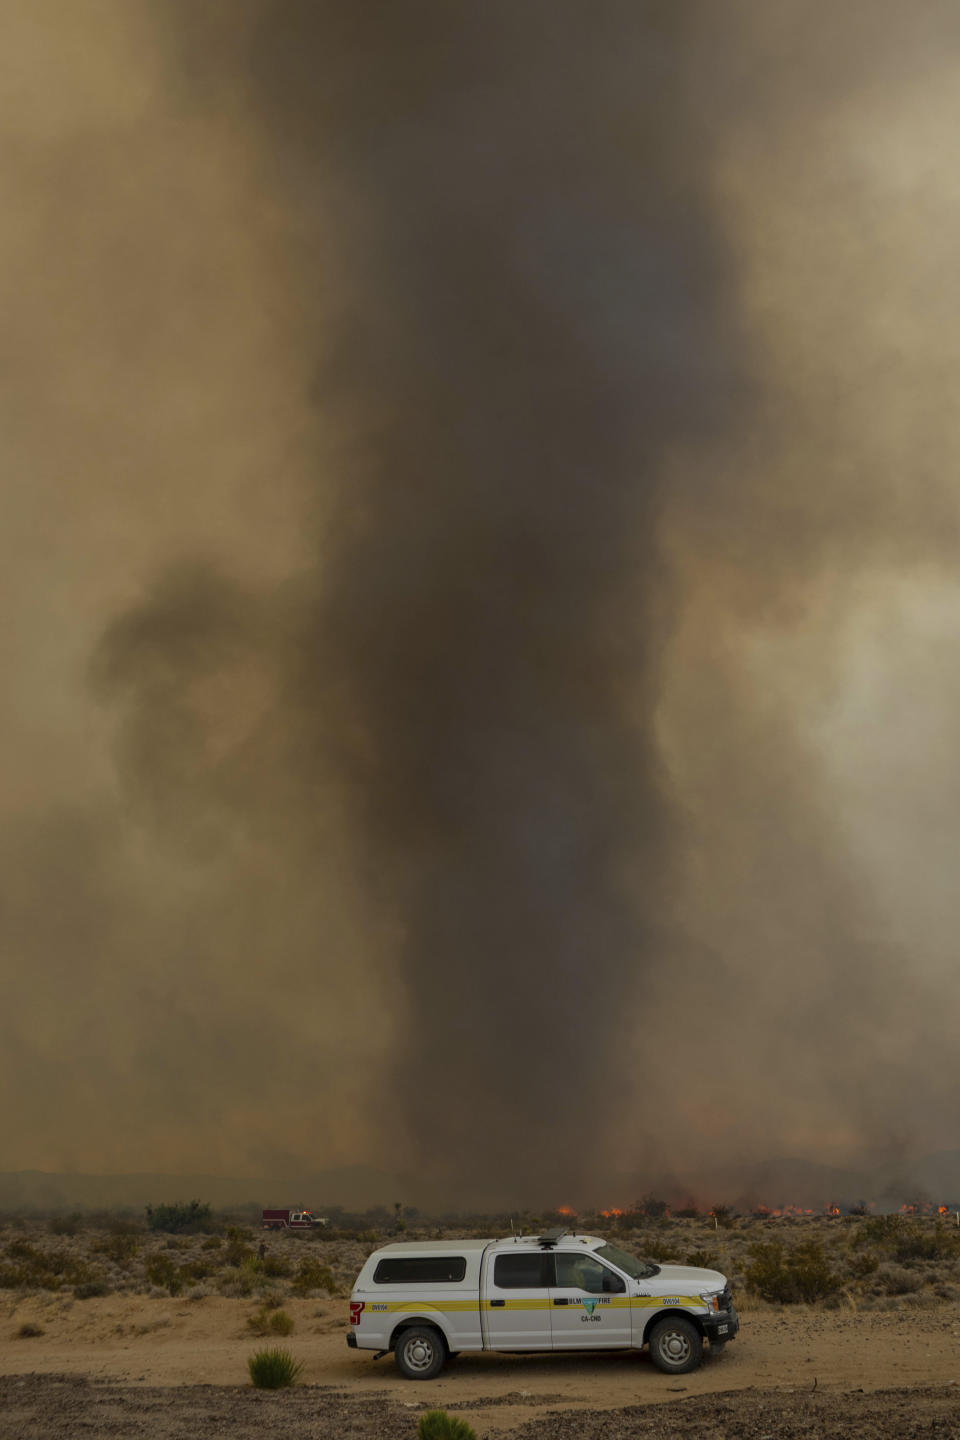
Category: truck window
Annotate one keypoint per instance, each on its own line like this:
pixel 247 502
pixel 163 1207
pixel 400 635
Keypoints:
pixel 526 1270
pixel 636 1269
pixel 585 1273
pixel 420 1269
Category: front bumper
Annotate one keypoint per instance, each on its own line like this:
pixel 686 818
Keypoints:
pixel 722 1326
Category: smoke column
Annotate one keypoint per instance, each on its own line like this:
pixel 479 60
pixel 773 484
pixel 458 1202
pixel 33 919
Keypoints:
pixel 512 449
pixel 522 338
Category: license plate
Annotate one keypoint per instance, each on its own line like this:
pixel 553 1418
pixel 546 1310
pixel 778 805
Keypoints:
pixel 722 1329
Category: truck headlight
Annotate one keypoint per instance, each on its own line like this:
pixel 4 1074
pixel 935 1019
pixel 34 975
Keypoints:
pixel 712 1301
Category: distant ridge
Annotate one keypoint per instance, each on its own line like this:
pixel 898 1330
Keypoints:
pixel 934 1178
pixel 776 1182
pixel 352 1187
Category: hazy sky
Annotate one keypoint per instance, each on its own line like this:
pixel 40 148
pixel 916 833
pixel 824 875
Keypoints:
pixel 481 589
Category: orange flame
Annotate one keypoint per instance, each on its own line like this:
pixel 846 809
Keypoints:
pixel 762 1212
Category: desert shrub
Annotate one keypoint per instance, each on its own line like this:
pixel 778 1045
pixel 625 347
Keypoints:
pixel 235 1283
pixel 237 1249
pixel 802 1274
pixel 24 1267
pixel 438 1425
pixel 918 1242
pixel 29 1332
pixel 259 1321
pixel 89 1289
pixel 23 1250
pixel 703 1260
pixel 66 1269
pixel 907 1239
pixel 660 1250
pixel 879 1230
pixel 894 1280
pixel 723 1215
pixel 121 1247
pixel 860 1266
pixel 65 1224
pixel 687 1213
pixel 313 1275
pixel 212 1242
pixel 196 1270
pixel 273 1369
pixel 270 1322
pixel 275 1266
pixel 161 1271
pixel 179 1219
pixel 251 1269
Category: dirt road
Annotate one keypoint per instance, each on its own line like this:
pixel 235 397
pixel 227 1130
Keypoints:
pixel 141 1366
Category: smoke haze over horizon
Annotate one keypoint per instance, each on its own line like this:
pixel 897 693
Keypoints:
pixel 482 539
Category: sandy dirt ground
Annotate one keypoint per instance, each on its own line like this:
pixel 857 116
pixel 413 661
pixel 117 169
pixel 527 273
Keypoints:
pixel 128 1365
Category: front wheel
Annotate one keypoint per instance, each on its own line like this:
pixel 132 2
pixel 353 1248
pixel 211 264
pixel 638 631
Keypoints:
pixel 676 1346
pixel 420 1353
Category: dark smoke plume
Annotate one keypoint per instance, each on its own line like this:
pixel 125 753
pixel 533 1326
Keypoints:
pixel 537 429
pixel 534 313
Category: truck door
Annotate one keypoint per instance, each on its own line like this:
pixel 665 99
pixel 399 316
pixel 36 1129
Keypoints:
pixel 515 1300
pixel 589 1305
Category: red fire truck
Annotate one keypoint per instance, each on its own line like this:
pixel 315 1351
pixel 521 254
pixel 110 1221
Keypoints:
pixel 290 1220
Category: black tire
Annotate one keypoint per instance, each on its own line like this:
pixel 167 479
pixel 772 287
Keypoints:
pixel 420 1352
pixel 676 1346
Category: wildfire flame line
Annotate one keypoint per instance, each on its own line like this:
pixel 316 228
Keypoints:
pixel 663 1211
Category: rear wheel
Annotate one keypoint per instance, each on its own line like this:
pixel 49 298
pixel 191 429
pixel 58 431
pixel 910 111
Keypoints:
pixel 675 1345
pixel 420 1352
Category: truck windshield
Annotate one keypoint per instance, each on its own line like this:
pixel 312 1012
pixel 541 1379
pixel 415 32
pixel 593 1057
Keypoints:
pixel 629 1264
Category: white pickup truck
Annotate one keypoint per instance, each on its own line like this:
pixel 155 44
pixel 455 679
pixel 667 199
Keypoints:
pixel 427 1301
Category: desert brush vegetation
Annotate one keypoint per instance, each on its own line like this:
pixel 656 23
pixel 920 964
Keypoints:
pixel 439 1425
pixel 270 1321
pixel 189 1252
pixel 274 1369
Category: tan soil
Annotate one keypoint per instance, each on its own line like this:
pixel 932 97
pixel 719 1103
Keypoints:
pixel 132 1347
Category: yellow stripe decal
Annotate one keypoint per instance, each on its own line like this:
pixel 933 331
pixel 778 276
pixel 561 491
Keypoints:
pixel 621 1302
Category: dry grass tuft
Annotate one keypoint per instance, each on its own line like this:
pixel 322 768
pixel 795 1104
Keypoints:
pixel 270 1322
